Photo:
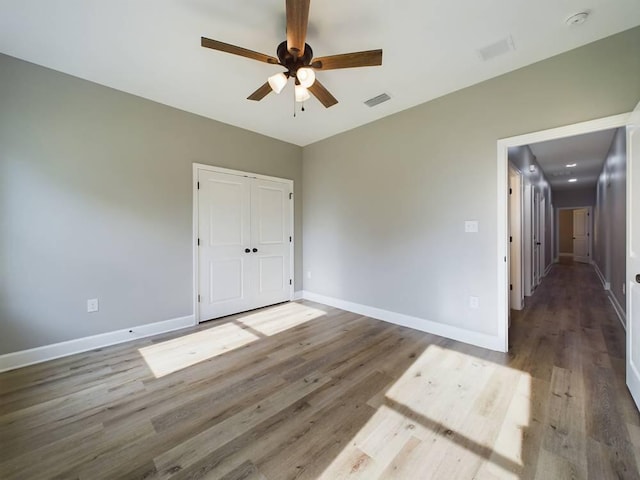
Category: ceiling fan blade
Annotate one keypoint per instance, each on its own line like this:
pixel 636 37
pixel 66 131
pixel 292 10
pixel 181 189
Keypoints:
pixel 370 58
pixel 260 93
pixel 297 21
pixel 243 52
pixel 322 94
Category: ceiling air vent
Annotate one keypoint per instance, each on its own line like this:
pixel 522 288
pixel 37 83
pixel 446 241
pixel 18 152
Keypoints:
pixel 372 102
pixel 496 49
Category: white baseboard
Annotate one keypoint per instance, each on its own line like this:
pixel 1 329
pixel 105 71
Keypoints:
pixel 619 310
pixel 11 361
pixel 455 333
pixel 548 269
pixel 605 284
pixel 297 295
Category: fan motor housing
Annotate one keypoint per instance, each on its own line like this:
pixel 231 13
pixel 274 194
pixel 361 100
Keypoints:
pixel 293 63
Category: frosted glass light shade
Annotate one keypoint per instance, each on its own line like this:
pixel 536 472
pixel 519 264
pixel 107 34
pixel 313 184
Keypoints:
pixel 277 82
pixel 302 94
pixel 306 76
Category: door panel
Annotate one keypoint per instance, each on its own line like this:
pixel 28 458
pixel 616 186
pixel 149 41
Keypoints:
pixel 271 205
pixel 633 255
pixel 581 235
pixel 226 280
pixel 271 222
pixel 223 230
pixel 272 270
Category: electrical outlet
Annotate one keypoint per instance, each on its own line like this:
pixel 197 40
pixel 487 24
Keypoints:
pixel 309 274
pixel 624 288
pixel 474 302
pixel 92 305
pixel 471 226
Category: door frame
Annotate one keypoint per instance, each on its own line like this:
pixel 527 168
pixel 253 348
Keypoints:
pixel 197 167
pixel 502 254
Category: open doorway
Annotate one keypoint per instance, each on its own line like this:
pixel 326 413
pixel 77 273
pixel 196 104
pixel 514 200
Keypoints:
pixel 535 259
pixel 601 235
pixel 574 237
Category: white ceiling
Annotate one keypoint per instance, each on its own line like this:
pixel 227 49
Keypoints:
pixel 152 49
pixel 587 151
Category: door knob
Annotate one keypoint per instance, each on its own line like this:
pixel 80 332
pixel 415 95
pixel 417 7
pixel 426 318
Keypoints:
pixel 255 250
pixel 638 278
pixel 538 243
pixel 246 250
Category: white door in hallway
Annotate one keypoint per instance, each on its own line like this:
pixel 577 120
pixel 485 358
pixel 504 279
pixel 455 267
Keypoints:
pixel 633 255
pixel 535 228
pixel 581 235
pixel 542 236
pixel 244 243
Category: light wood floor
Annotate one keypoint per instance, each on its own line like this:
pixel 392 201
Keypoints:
pixel 306 391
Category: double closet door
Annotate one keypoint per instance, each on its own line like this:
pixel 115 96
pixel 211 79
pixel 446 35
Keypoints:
pixel 244 242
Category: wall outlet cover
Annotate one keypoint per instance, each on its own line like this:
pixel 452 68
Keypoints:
pixel 471 226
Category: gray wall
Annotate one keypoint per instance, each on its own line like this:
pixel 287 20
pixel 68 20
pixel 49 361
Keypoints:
pixel 96 201
pixel 574 197
pixel 610 217
pixel 385 203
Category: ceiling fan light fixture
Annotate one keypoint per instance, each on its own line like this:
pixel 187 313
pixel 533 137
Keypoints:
pixel 302 94
pixel 306 76
pixel 277 82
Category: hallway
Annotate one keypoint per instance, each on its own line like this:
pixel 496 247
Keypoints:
pixel 572 343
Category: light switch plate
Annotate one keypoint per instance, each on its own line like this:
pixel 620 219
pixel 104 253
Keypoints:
pixel 471 226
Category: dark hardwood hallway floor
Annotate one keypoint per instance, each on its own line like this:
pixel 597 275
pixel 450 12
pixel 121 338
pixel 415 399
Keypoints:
pixel 302 390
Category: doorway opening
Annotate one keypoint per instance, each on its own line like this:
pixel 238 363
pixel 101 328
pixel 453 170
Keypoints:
pixel 574 241
pixel 539 226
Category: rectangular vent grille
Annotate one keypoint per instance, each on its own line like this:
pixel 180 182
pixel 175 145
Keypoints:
pixel 372 102
pixel 496 49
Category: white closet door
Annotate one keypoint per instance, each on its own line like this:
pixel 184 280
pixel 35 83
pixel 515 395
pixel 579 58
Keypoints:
pixel 224 235
pixel 270 241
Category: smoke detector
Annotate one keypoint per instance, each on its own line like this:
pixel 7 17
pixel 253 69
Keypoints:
pixel 577 19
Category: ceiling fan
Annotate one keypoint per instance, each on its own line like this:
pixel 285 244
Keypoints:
pixel 297 57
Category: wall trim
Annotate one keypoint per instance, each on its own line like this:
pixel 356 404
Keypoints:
pixel 605 284
pixel 618 308
pixel 298 295
pixel 491 342
pixel 13 360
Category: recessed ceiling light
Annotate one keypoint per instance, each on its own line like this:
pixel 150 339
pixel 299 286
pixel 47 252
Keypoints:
pixel 571 165
pixel 577 19
pixel 571 180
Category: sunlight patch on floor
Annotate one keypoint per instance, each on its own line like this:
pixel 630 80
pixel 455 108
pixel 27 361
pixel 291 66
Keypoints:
pixel 280 318
pixel 188 350
pixel 417 431
pixel 182 352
